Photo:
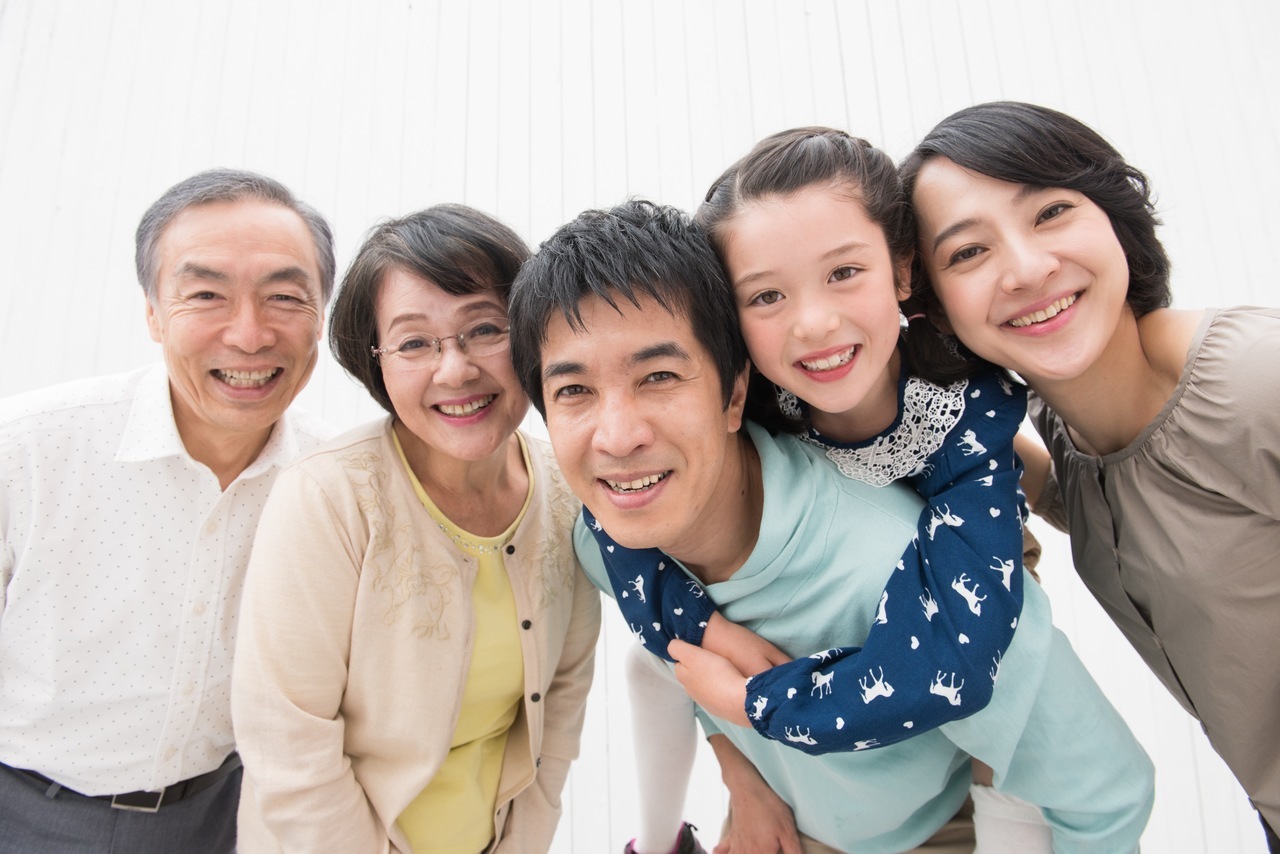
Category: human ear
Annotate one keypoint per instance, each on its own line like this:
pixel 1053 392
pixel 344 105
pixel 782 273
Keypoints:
pixel 153 322
pixel 737 400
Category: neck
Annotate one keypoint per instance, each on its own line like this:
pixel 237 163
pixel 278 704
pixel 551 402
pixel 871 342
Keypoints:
pixel 1111 403
pixel 226 457
pixel 732 519
pixel 481 496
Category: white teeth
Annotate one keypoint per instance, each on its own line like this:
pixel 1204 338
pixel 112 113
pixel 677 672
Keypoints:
pixel 246 379
pixel 1044 314
pixel 466 408
pixel 635 485
pixel 829 362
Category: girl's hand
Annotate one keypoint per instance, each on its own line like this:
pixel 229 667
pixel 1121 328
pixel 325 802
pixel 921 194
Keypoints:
pixel 711 681
pixel 761 822
pixel 745 650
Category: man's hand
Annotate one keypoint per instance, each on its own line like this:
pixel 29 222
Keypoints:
pixel 711 681
pixel 745 650
pixel 761 822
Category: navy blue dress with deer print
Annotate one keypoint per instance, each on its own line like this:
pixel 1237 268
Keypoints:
pixel 949 609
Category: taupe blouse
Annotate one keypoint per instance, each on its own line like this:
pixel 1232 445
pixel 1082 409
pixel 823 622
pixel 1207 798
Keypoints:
pixel 1178 537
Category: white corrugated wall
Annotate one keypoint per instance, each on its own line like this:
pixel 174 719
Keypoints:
pixel 537 110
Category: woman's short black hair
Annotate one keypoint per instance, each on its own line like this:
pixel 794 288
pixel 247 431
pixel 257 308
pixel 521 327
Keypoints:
pixel 457 248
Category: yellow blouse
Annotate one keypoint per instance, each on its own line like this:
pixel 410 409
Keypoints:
pixel 454 813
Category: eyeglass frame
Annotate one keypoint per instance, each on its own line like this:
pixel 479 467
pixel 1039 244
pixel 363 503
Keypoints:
pixel 381 353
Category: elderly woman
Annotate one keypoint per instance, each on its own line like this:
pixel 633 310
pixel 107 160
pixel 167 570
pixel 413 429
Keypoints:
pixel 416 640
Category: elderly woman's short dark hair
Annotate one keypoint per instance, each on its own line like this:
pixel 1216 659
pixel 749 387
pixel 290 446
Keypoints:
pixel 457 248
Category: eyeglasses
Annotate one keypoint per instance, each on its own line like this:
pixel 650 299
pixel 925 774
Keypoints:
pixel 482 338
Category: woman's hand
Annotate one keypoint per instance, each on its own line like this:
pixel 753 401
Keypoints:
pixel 761 822
pixel 711 681
pixel 744 649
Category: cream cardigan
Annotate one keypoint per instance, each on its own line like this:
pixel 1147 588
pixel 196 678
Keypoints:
pixel 354 645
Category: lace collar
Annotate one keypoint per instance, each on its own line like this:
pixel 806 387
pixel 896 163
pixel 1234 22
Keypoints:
pixel 926 414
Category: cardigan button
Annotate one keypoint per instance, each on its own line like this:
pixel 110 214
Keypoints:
pixel 536 697
pixel 511 550
pixel 526 624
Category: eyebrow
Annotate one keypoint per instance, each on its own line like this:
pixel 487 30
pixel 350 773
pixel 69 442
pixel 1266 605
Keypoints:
pixel 1024 190
pixel 851 246
pixel 294 275
pixel 475 307
pixel 661 350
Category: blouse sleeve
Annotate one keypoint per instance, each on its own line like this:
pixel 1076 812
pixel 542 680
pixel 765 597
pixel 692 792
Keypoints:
pixel 946 615
pixel 658 600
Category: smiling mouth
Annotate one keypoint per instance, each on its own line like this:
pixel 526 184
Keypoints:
pixel 1045 313
pixel 829 363
pixel 638 485
pixel 458 410
pixel 247 379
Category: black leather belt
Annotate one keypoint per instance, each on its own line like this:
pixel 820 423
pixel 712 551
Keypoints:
pixel 144 801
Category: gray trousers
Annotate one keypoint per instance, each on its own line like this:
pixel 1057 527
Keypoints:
pixel 75 824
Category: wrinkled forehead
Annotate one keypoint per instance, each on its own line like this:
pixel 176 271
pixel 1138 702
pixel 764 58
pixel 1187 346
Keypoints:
pixel 236 231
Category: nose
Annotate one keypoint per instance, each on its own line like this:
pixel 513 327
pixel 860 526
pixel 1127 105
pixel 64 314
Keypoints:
pixel 249 330
pixel 813 319
pixel 621 426
pixel 1029 265
pixel 455 367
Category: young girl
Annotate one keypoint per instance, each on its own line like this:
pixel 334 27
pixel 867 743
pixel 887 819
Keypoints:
pixel 1039 244
pixel 813 232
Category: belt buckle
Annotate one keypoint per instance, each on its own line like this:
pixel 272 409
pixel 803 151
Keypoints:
pixel 138 801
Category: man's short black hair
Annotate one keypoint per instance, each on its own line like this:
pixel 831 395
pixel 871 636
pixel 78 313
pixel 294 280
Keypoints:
pixel 637 249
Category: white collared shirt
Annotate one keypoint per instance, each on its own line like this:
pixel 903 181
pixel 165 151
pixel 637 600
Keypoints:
pixel 121 566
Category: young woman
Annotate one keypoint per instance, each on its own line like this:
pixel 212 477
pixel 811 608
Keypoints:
pixel 416 639
pixel 1038 249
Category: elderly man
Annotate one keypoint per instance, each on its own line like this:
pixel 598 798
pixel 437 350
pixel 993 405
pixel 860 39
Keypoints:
pixel 626 339
pixel 127 511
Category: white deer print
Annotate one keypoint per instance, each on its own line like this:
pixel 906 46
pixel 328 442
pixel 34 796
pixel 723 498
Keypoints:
pixel 1005 568
pixel 802 737
pixel 881 617
pixel 970 445
pixel 996 660
pixel 877 688
pixel 696 589
pixel 822 684
pixel 951 692
pixel 863 745
pixel 757 708
pixel 930 606
pixel 638 587
pixel 638 632
pixel 947 517
pixel 824 656
pixel 970 596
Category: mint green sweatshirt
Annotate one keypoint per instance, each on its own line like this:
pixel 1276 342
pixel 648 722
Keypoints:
pixel 813 581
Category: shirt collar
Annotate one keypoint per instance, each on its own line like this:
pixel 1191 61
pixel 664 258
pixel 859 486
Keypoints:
pixel 151 432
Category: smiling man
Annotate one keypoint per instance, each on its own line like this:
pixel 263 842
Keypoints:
pixel 625 338
pixel 127 512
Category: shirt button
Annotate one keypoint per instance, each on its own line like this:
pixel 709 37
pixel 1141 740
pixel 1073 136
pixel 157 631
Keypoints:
pixel 536 697
pixel 189 688
pixel 526 624
pixel 211 527
pixel 198 609
pixel 170 753
pixel 511 550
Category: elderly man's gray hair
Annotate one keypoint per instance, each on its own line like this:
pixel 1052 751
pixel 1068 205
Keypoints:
pixel 225 185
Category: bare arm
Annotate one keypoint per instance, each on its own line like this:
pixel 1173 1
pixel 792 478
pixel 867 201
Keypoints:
pixel 762 822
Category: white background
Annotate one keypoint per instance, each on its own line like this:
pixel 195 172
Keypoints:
pixel 535 111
